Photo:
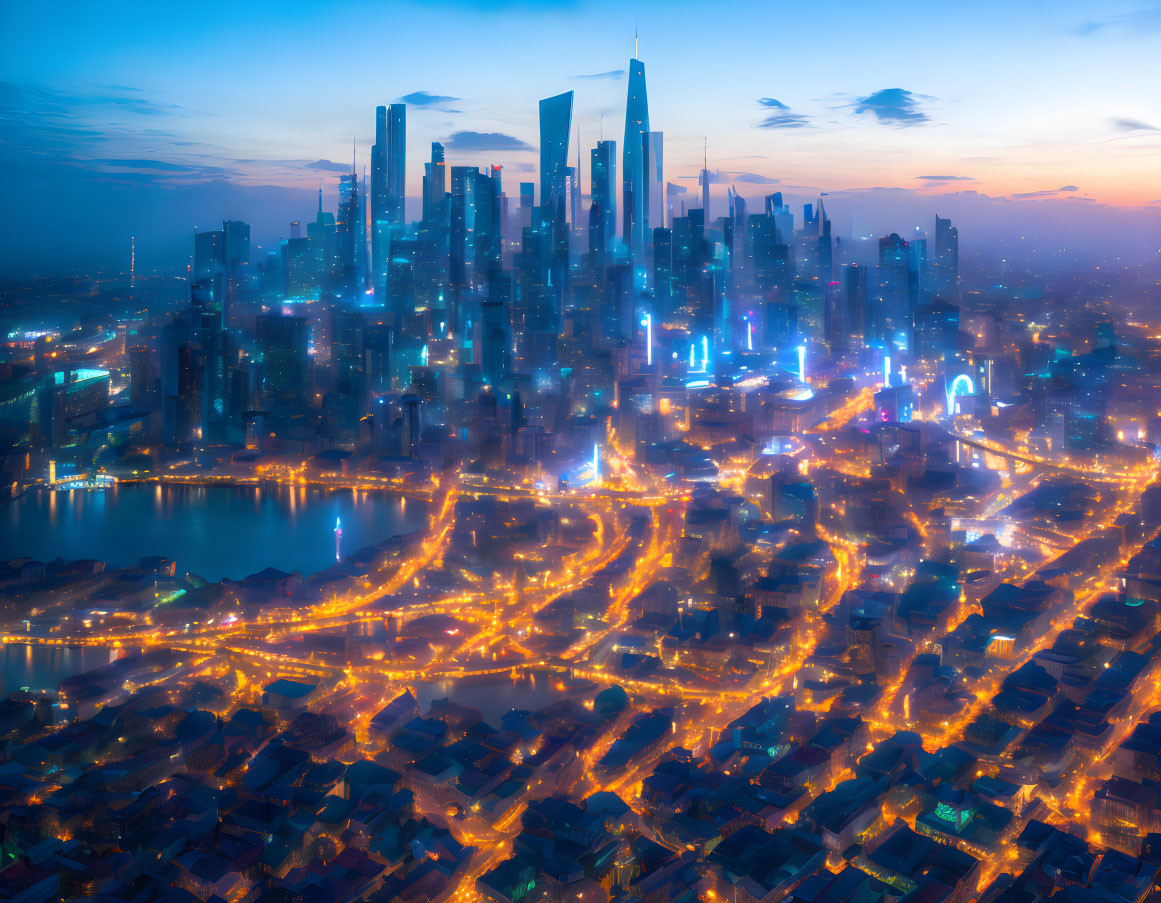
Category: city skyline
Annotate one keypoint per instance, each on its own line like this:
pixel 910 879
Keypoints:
pixel 1039 125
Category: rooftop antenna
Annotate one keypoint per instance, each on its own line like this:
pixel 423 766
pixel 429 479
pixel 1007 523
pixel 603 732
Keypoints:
pixel 320 197
pixel 635 40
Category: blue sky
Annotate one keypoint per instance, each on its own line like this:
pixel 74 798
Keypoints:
pixel 151 118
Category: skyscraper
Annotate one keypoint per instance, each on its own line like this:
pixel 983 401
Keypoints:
pixel 396 162
pixel 287 367
pixel 635 213
pixel 652 149
pixel 555 126
pixel 603 178
pixel 379 203
pixel 946 261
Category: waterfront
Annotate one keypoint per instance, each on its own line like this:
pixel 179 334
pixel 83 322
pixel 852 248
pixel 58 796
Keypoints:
pixel 44 667
pixel 213 531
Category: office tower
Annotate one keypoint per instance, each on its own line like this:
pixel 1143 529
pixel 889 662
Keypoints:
pixel 488 226
pixel 140 382
pixel 854 280
pixel 396 186
pixel 555 127
pixel 190 376
pixel 494 338
pixel 945 264
pixel 283 341
pixel 207 285
pixel 825 245
pixel 634 211
pixel 236 236
pixel 378 200
pixel 704 178
pixel 774 203
pixel 891 316
pixel 348 331
pixel 461 230
pixel 936 331
pixel 434 183
pixel 663 269
pixel 349 235
pixel 652 147
pixel 527 203
pixel 603 180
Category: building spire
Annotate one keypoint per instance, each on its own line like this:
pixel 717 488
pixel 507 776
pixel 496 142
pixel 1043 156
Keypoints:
pixel 354 168
pixel 635 50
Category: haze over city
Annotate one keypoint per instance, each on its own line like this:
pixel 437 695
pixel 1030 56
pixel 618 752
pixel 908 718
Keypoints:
pixel 1023 118
pixel 521 452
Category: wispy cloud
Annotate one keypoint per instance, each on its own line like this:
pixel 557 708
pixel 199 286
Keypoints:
pixel 1148 18
pixel 753 178
pixel 485 141
pixel 1133 125
pixel 946 178
pixel 328 166
pixel 612 75
pixel 1045 193
pixel 781 116
pixel 893 106
pixel 430 101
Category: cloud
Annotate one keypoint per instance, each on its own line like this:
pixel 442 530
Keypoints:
pixel 485 141
pixel 753 178
pixel 946 178
pixel 430 101
pixel 1045 193
pixel 784 121
pixel 1133 125
pixel 772 103
pixel 160 165
pixel 894 106
pixel 328 166
pixel 612 74
pixel 1146 19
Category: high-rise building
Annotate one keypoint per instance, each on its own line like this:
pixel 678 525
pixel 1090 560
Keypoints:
pixel 140 380
pixel 396 186
pixel 555 127
pixel 190 376
pixel 945 264
pixel 634 211
pixel 349 229
pixel 378 199
pixel 603 179
pixel 286 364
pixel 652 150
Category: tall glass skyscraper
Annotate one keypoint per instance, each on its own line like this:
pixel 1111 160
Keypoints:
pixel 555 125
pixel 635 211
pixel 379 201
pixel 603 176
pixel 396 162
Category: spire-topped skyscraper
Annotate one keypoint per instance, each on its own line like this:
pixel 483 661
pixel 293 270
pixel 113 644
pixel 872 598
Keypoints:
pixel 396 162
pixel 635 213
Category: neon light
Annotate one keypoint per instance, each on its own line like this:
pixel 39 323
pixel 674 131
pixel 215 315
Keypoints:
pixel 802 363
pixel 338 539
pixel 596 461
pixel 961 385
pixel 649 339
pixel 903 374
pixel 423 357
pixel 705 353
pixel 692 364
pixel 749 335
pixel 886 371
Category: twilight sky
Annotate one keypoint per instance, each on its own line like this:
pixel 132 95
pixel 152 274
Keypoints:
pixel 1035 119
